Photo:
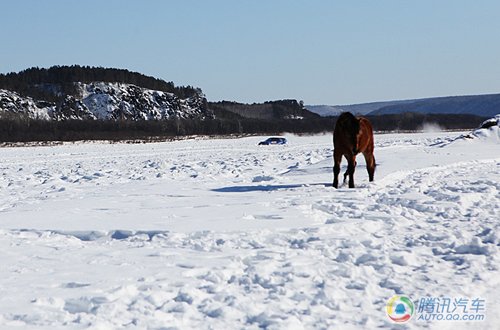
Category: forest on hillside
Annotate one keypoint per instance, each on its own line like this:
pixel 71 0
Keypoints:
pixel 279 109
pixel 38 83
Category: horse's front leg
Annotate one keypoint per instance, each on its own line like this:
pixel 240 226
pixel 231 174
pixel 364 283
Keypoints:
pixel 337 158
pixel 351 165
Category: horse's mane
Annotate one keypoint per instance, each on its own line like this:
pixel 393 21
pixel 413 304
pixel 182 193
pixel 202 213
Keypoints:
pixel 349 122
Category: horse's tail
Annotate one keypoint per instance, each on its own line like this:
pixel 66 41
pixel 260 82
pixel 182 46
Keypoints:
pixel 348 123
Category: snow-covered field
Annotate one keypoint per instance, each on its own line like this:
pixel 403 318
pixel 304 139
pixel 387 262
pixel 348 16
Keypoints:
pixel 225 234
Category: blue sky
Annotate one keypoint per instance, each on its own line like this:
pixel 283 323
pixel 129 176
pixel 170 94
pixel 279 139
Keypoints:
pixel 321 52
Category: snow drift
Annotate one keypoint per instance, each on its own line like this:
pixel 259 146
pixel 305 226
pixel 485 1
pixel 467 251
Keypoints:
pixel 488 131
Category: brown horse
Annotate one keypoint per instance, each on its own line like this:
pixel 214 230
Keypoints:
pixel 352 135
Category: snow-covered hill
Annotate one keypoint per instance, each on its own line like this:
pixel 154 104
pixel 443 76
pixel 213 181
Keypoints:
pixel 111 101
pixel 225 234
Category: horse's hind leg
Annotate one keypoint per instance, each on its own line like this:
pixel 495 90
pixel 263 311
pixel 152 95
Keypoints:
pixel 370 164
pixel 337 158
pixel 351 165
pixel 347 171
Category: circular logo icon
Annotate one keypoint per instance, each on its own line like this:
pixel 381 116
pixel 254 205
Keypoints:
pixel 400 309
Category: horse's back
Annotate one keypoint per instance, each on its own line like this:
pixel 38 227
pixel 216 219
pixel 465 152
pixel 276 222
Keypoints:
pixel 365 138
pixel 365 126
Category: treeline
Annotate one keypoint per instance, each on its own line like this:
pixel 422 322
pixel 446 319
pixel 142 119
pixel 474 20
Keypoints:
pixel 36 82
pixel 26 130
pixel 19 129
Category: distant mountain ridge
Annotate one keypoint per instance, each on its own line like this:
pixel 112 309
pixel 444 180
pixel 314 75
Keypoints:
pixel 481 105
pixel 95 93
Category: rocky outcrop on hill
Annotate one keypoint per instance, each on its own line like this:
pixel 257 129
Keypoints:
pixel 107 101
pixel 13 104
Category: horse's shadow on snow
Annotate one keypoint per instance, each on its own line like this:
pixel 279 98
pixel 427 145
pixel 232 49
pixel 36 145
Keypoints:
pixel 273 187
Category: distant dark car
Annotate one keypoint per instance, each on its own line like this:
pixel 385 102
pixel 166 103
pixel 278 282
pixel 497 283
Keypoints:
pixel 273 140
